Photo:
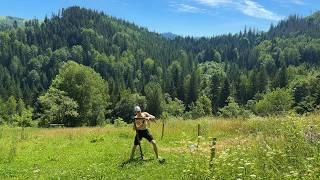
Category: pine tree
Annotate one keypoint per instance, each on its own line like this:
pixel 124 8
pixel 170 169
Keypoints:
pixel 225 93
pixel 20 106
pixel 215 91
pixel 154 98
pixel 283 77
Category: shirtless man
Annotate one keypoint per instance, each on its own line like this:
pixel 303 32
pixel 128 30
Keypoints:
pixel 141 121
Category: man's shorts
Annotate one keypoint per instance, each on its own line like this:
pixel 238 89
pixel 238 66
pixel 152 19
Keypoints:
pixel 142 134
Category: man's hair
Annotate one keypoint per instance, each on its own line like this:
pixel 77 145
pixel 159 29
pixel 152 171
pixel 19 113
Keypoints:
pixel 137 109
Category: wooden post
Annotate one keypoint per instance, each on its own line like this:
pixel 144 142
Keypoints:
pixel 198 134
pixel 213 151
pixel 162 132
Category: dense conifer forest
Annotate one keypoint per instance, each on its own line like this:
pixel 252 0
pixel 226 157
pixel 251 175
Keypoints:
pixel 83 67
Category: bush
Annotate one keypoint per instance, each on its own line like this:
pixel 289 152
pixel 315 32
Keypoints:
pixel 233 110
pixel 173 107
pixel 201 108
pixel 23 120
pixel 275 102
pixel 119 122
pixel 101 119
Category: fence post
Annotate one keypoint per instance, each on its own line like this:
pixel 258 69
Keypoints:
pixel 213 151
pixel 198 134
pixel 162 132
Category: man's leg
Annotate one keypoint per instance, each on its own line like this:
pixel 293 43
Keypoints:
pixel 132 151
pixel 155 148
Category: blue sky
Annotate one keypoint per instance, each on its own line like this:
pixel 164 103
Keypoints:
pixel 183 17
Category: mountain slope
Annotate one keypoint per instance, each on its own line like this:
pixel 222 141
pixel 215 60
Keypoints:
pixel 9 21
pixel 130 58
pixel 169 35
pixel 295 25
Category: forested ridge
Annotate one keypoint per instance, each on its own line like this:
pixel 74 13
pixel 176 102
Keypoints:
pixel 82 67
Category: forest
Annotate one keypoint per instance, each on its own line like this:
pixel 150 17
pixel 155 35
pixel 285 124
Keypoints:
pixel 81 67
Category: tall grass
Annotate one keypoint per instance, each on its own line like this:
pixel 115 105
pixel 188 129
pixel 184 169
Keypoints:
pixel 258 148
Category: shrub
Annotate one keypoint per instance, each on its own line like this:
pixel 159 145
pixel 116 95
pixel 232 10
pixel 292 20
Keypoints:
pixel 173 107
pixel 232 109
pixel 101 119
pixel 119 122
pixel 25 119
pixel 275 102
pixel 202 107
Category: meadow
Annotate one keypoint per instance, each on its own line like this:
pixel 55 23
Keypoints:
pixel 257 148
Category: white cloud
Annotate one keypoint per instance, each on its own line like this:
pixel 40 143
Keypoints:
pixel 298 2
pixel 254 9
pixel 247 7
pixel 214 3
pixel 187 8
pixel 290 2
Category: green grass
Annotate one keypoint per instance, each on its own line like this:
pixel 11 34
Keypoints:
pixel 264 148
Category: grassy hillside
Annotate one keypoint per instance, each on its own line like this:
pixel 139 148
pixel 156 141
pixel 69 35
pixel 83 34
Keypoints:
pixel 271 148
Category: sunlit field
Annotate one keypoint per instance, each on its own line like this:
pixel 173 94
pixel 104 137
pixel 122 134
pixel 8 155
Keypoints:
pixel 258 148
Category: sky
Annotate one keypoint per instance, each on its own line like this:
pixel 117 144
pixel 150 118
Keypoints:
pixel 182 17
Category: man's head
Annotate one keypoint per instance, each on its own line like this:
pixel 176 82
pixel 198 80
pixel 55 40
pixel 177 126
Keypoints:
pixel 137 109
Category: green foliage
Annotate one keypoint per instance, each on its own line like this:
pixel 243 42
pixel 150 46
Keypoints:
pixel 129 57
pixel 202 107
pixel 173 107
pixel 154 98
pixel 9 21
pixel 125 106
pixel 119 122
pixel 233 110
pixel 101 119
pixel 11 106
pixel 281 78
pixel 217 56
pixel 24 119
pixel 20 106
pixel 86 87
pixel 57 108
pixel 2 110
pixel 276 102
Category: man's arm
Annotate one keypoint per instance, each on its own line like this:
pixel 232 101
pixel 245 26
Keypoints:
pixel 150 117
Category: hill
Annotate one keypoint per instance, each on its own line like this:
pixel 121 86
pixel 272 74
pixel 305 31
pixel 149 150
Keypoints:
pixel 9 21
pixel 227 75
pixel 296 25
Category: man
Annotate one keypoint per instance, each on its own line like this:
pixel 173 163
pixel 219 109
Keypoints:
pixel 140 124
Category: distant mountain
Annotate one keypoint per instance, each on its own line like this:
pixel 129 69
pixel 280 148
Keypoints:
pixel 9 21
pixel 169 35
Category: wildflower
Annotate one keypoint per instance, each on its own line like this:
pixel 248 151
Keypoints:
pixel 253 176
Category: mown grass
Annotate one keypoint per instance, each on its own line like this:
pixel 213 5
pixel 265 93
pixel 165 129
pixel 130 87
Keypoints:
pixel 259 148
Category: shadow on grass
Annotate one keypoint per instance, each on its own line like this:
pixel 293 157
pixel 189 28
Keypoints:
pixel 136 161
